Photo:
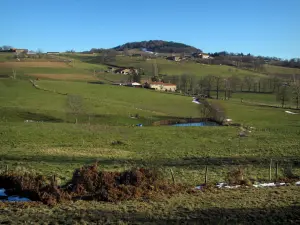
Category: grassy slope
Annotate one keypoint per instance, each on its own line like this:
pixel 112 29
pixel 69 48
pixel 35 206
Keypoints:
pixel 173 68
pixel 58 146
pixel 278 70
pixel 168 67
pixel 47 145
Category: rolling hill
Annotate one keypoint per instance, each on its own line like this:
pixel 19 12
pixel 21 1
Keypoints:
pixel 159 46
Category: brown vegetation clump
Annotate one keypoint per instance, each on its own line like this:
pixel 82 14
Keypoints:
pixel 37 188
pixel 235 177
pixel 88 183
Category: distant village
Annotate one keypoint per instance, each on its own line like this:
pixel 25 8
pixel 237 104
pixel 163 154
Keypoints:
pixel 157 85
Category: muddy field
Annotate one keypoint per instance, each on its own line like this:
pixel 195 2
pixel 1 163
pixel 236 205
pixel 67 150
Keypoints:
pixel 33 64
pixel 64 76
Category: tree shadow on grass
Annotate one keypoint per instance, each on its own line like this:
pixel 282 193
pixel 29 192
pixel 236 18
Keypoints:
pixel 282 215
pixel 185 163
pixel 38 117
pixel 278 215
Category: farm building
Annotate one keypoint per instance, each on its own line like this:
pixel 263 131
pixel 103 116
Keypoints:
pixel 52 53
pixel 202 56
pixel 161 86
pixel 174 58
pixel 126 71
pixel 19 50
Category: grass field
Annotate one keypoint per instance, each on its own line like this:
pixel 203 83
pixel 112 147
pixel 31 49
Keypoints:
pixel 58 145
pixel 281 71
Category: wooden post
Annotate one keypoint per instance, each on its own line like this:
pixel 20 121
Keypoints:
pixel 6 169
pixel 205 178
pixel 276 171
pixel 173 179
pixel 54 180
pixel 270 170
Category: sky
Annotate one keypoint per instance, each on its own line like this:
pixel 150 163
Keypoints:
pixel 259 27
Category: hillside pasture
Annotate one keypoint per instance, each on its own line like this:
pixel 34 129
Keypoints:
pixel 64 76
pixel 33 64
pixel 169 67
pixel 55 144
pixel 38 135
pixel 283 72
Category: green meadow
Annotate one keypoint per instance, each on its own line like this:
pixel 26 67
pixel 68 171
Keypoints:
pixel 38 134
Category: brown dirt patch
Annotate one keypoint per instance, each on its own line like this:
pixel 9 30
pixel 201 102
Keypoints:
pixel 33 64
pixel 64 76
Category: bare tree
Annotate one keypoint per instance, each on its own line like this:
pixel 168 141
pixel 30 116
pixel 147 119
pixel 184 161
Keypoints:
pixel 70 51
pixel 14 74
pixel 235 81
pixel 75 105
pixel 283 95
pixel 126 52
pixel 296 91
pixel 6 47
pixel 193 84
pixel 227 89
pixel 249 81
pixel 39 52
pixel 208 82
pixel 155 76
pixel 218 83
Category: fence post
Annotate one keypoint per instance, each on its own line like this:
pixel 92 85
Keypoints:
pixel 6 169
pixel 173 179
pixel 205 178
pixel 270 170
pixel 276 173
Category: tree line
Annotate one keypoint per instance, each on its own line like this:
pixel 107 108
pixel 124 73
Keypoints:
pixel 213 86
pixel 159 46
pixel 250 61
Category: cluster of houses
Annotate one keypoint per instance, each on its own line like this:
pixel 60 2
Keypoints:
pixel 125 71
pixel 16 50
pixel 158 86
pixel 26 51
pixel 195 55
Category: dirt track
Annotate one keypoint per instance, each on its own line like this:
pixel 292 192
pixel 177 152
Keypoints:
pixel 64 76
pixel 33 64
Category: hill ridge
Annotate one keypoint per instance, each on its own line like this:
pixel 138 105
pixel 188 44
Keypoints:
pixel 159 46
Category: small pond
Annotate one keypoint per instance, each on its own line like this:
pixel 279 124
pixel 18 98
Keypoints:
pixel 5 198
pixel 199 124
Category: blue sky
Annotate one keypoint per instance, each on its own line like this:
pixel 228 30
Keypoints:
pixel 259 27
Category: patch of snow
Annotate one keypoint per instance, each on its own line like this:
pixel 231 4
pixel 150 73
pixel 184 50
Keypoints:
pixel 232 187
pixel 298 183
pixel 220 185
pixel 199 187
pixel 32 121
pixel 268 184
pixel 195 100
pixel 289 112
pixel 224 185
